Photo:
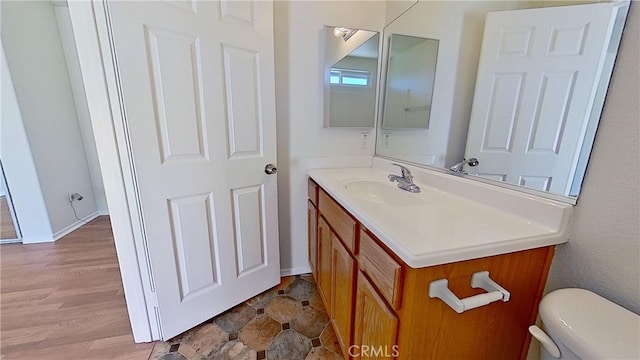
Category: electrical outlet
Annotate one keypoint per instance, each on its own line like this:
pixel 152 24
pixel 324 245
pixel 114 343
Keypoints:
pixel 386 138
pixel 365 140
pixel 75 197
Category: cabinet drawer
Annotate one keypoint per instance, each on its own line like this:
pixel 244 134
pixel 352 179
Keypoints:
pixel 381 268
pixel 341 222
pixel 312 189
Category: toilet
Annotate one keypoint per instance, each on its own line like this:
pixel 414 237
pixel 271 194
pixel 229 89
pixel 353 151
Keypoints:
pixel 579 324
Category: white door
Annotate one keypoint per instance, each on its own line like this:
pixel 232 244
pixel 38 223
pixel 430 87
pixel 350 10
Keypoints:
pixel 537 79
pixel 197 89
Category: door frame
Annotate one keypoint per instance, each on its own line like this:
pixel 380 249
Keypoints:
pixel 92 30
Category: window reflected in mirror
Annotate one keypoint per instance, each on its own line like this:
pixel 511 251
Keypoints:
pixel 350 77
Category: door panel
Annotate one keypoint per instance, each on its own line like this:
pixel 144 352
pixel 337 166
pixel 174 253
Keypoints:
pixel 550 119
pixel 240 12
pixel 242 100
pixel 193 238
pixel 537 80
pixel 249 236
pixel 505 94
pixel 176 76
pixel 197 95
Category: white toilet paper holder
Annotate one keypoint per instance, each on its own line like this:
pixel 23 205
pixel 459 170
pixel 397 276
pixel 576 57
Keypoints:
pixel 494 292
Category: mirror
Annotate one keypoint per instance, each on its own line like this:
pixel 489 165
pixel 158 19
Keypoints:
pixel 350 75
pixel 411 70
pixel 529 121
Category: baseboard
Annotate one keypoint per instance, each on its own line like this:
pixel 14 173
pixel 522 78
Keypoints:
pixel 37 239
pixel 295 271
pixel 10 241
pixel 102 212
pixel 73 227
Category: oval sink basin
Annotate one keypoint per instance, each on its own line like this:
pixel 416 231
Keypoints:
pixel 384 193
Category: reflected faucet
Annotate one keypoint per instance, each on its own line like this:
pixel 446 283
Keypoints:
pixel 405 182
pixel 459 167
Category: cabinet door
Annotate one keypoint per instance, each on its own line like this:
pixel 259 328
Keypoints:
pixel 343 268
pixel 376 326
pixel 313 238
pixel 324 262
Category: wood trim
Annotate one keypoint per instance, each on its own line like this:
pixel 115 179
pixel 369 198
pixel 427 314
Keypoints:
pixel 536 304
pixel 312 220
pixel 343 273
pixel 383 270
pixel 324 263
pixel 339 219
pixel 312 191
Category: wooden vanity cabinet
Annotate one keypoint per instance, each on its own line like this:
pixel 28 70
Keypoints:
pixel 430 329
pixel 336 265
pixel 381 307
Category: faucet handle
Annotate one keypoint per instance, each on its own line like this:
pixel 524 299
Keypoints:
pixel 404 170
pixel 459 167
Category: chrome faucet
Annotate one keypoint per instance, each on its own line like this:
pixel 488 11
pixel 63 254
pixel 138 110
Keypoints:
pixel 459 167
pixel 405 182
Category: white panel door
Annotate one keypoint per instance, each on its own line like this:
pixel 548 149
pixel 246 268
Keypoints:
pixel 537 79
pixel 197 91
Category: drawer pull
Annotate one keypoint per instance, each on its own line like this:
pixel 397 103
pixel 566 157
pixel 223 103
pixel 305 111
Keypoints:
pixel 494 292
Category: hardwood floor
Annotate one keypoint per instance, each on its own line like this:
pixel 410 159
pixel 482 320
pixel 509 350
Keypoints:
pixel 64 300
pixel 7 230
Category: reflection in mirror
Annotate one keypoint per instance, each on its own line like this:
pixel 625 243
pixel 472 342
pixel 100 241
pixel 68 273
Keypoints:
pixel 540 82
pixel 411 69
pixel 350 77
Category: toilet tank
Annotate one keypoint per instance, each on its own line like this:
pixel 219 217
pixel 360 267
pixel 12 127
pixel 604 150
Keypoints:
pixel 590 326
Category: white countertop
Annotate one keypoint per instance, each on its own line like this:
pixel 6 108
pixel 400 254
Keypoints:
pixel 438 226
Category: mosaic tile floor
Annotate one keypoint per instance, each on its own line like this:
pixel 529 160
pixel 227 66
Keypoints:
pixel 286 322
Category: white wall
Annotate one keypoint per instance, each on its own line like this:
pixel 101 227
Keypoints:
pixel 37 64
pixel 20 170
pixel 299 33
pixel 82 109
pixel 603 252
pixel 396 7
